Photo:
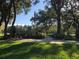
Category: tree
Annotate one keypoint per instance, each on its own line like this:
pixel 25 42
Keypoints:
pixel 57 5
pixel 44 20
pixel 71 13
pixel 9 9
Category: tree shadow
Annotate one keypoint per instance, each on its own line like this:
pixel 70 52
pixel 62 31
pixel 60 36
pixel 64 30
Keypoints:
pixel 33 50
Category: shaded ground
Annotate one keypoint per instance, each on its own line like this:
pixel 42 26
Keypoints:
pixel 50 40
pixel 27 49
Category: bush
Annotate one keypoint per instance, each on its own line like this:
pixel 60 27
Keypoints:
pixel 58 36
pixel 62 36
pixel 35 36
pixel 69 37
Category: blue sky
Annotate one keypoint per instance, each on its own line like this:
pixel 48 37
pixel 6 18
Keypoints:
pixel 24 19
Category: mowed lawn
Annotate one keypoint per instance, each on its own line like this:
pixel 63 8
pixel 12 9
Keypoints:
pixel 37 50
pixel 1 34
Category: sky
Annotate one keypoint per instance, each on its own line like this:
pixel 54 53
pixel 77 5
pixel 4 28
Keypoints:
pixel 24 19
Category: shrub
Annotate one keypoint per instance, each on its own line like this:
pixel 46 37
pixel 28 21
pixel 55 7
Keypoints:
pixel 58 36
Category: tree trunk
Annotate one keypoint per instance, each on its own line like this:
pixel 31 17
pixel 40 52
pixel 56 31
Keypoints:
pixel 14 14
pixel 13 29
pixel 58 23
pixel 1 19
pixel 5 31
pixel 0 22
pixel 77 32
pixel 6 24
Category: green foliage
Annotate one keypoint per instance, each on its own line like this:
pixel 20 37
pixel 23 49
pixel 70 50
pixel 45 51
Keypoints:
pixel 60 12
pixel 62 36
pixel 69 37
pixel 58 36
pixel 44 19
pixel 25 32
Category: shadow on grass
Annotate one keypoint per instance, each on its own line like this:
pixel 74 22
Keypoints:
pixel 34 50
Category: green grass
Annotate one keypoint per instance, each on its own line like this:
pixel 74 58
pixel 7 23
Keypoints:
pixel 1 34
pixel 37 50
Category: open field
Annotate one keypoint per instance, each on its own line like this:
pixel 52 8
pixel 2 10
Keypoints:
pixel 37 50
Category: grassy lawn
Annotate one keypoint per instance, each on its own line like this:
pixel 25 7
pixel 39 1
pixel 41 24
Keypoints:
pixel 1 34
pixel 37 50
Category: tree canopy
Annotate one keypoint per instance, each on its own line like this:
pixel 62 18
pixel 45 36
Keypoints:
pixel 10 8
